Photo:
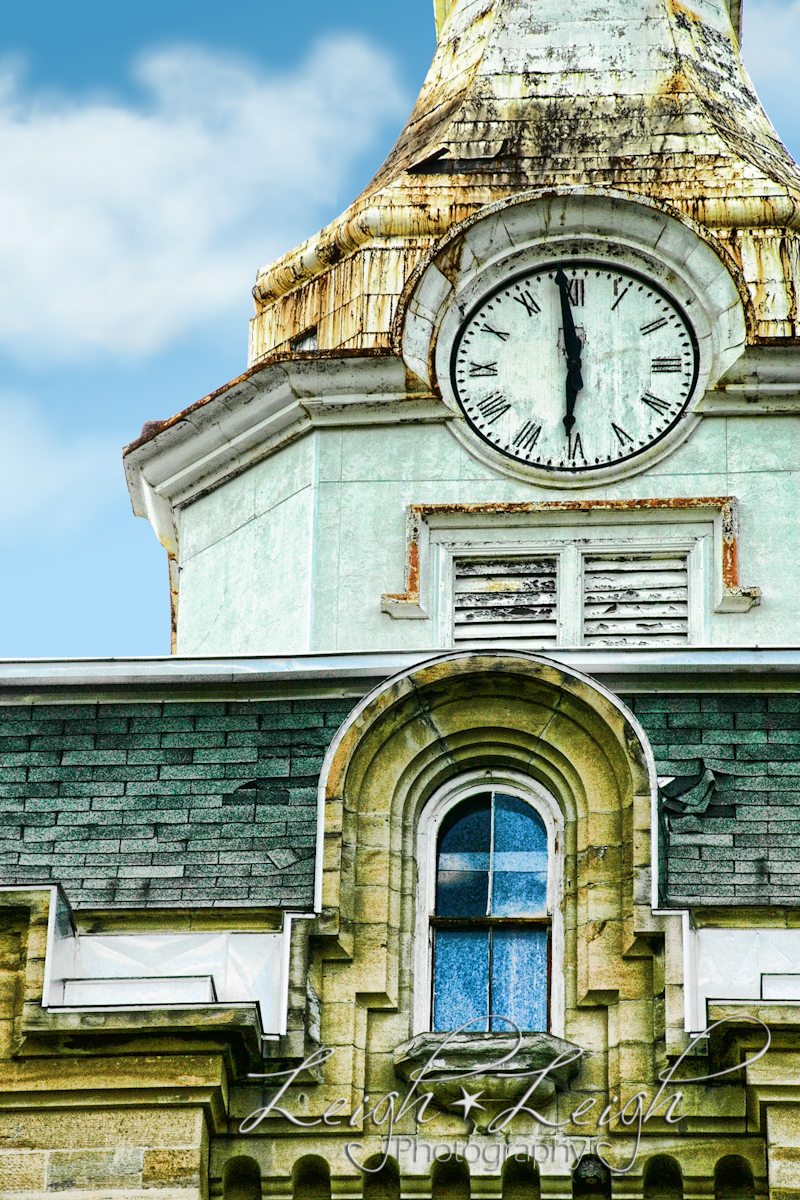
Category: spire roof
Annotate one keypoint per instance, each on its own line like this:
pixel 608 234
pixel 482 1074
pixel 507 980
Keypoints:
pixel 645 93
pixel 648 97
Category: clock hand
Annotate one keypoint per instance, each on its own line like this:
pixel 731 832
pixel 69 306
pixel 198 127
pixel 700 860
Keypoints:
pixel 573 346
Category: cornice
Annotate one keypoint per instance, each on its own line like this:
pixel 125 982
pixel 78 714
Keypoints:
pixel 679 669
pixel 182 459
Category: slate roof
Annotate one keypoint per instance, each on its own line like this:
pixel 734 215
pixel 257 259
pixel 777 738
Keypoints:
pixel 165 804
pixel 737 842
pixel 213 804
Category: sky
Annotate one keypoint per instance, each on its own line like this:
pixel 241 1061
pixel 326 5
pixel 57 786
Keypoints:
pixel 152 157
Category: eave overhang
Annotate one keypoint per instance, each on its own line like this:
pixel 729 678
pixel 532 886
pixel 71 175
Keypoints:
pixel 179 460
pixel 762 669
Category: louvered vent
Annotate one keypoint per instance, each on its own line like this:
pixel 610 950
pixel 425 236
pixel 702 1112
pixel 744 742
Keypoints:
pixel 506 599
pixel 635 600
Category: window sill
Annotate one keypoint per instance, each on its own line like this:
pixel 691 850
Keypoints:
pixel 500 1086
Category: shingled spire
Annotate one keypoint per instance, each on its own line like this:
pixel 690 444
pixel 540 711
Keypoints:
pixel 651 95
pixel 646 97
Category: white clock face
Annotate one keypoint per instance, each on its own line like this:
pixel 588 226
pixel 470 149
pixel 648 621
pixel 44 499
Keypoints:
pixel 575 366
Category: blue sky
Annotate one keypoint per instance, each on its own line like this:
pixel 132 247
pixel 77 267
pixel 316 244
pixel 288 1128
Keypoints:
pixel 154 156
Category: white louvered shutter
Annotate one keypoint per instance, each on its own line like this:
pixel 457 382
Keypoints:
pixel 636 600
pixel 506 599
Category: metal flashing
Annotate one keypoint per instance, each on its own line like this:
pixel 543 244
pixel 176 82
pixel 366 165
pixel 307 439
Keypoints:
pixel 355 673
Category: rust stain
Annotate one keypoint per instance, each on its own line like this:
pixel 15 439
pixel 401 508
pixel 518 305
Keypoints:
pixel 684 13
pixel 174 588
pixel 413 567
pixel 727 506
pixel 152 429
pixel 730 562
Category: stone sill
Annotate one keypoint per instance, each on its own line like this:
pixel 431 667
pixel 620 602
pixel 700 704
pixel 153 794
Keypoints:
pixel 173 1029
pixel 464 1055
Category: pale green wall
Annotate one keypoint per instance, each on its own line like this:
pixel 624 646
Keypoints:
pixel 295 554
pixel 246 560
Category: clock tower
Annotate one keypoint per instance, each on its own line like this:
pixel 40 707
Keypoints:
pixel 514 466
pixel 560 324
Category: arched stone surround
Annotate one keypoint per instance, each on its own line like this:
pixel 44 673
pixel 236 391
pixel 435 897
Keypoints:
pixel 461 713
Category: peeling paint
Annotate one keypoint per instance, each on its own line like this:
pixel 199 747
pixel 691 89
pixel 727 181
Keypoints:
pixel 733 597
pixel 515 101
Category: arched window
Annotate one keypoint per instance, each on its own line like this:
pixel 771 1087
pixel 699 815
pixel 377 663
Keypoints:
pixel 491 925
pixel 733 1179
pixel 662 1179
pixel 489 907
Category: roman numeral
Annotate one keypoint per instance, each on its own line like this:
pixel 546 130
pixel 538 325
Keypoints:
pixel 666 366
pixel 528 303
pixel 493 407
pixel 478 369
pixel 528 436
pixel 497 332
pixel 576 447
pixel 577 292
pixel 623 438
pixel 660 406
pixel 652 326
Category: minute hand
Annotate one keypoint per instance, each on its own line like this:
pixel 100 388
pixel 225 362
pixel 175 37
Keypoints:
pixel 573 346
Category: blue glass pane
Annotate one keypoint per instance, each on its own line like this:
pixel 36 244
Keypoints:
pixel 519 885
pixel 461 979
pixel 462 880
pixel 519 978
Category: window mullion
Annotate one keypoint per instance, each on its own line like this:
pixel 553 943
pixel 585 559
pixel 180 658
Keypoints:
pixel 491 859
pixel 570 595
pixel 491 984
pixel 489 912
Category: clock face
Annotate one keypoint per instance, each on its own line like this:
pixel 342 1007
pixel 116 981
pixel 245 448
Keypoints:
pixel 575 366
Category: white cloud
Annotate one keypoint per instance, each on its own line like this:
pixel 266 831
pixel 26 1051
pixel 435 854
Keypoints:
pixel 771 49
pixel 51 482
pixel 123 228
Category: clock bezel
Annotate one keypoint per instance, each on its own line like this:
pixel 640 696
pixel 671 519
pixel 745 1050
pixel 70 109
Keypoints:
pixel 514 235
pixel 619 252
pixel 567 473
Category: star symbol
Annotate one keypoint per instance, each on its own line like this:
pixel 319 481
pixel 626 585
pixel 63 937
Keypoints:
pixel 468 1102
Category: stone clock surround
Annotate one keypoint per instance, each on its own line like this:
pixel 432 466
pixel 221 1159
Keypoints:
pixel 511 237
pixel 555 367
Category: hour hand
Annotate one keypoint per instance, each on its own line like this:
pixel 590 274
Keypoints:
pixel 573 347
